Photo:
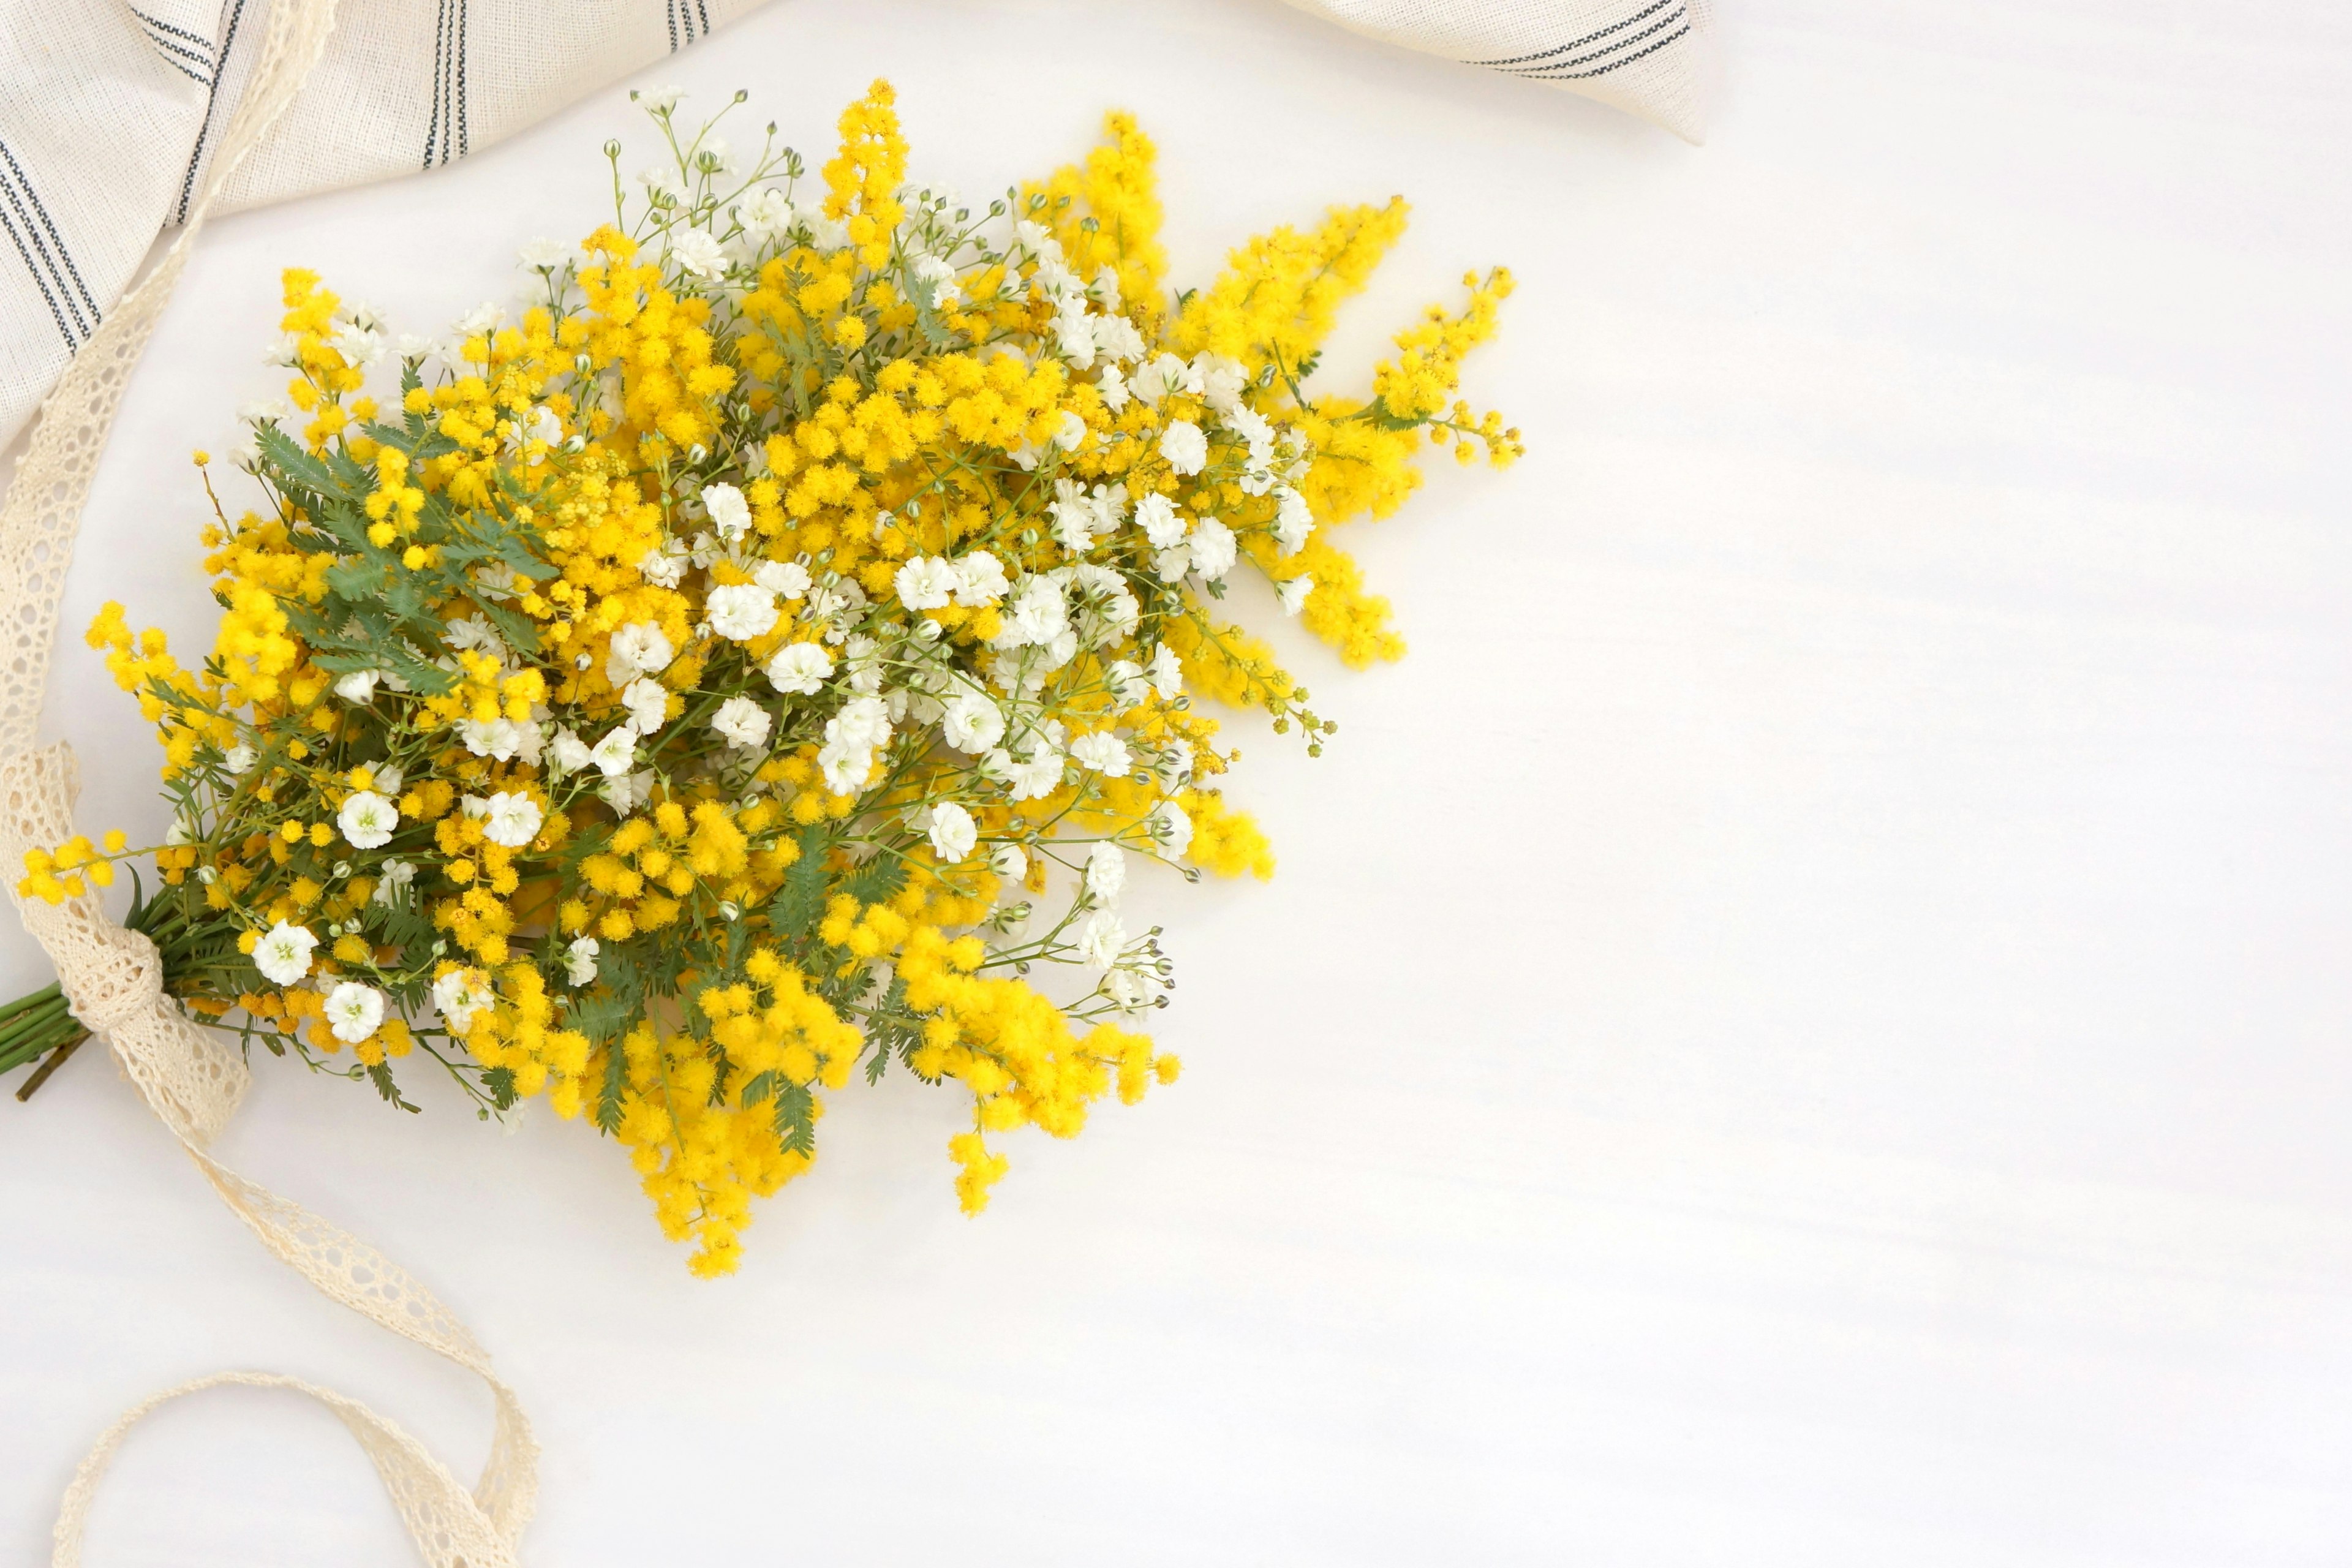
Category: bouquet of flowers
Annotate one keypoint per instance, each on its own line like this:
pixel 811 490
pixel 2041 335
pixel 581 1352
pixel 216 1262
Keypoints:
pixel 765 657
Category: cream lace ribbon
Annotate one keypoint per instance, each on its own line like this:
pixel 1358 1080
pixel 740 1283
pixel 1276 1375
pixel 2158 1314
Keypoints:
pixel 113 978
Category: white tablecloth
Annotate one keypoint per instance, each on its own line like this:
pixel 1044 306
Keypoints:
pixel 1806 1024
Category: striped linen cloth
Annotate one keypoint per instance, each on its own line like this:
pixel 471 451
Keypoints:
pixel 1650 57
pixel 109 110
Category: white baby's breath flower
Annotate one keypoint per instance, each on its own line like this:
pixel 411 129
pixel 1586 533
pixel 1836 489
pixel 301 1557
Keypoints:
pixel 616 753
pixel 800 670
pixel 980 580
pixel 1071 433
pixel 367 820
pixel 1293 593
pixel 239 759
pixel 540 254
pixel 1214 549
pixel 765 214
pixel 1112 387
pixel 658 100
pixel 458 995
pixel 353 1011
pixel 1106 872
pixel 1184 446
pixel 787 580
pixel 851 738
pixel 1073 515
pixel 648 704
pixel 844 768
pixel 953 833
pixel 393 878
pixel 1171 824
pixel 926 583
pixel 1102 751
pixel 1038 774
pixel 511 819
pixel 1074 334
pixel 638 648
pixel 743 721
pixel 357 687
pixel 500 739
pixel 1128 685
pixel 1116 339
pixel 1222 380
pixel 862 721
pixel 1160 522
pixel 730 514
pixel 1167 673
pixel 283 954
pixel 971 722
pixel 1131 992
pixel 742 611
pixel 939 278
pixel 1164 375
pixel 837 602
pixel 566 754
pixel 1293 521
pixel 580 960
pixel 1102 938
pixel 358 345
pixel 629 791
pixel 1010 862
pixel 664 567
pixel 1039 613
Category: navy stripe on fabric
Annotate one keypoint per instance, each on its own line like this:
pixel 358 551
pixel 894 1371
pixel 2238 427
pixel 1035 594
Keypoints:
pixel 198 39
pixel 1615 64
pixel 440 75
pixel 212 105
pixel 1642 15
pixel 40 280
pixel 43 233
pixel 448 135
pixel 182 59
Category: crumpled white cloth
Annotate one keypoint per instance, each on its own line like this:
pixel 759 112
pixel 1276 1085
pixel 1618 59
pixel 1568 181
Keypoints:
pixel 1650 57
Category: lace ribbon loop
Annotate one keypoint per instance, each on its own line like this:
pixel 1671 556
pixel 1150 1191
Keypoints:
pixel 114 979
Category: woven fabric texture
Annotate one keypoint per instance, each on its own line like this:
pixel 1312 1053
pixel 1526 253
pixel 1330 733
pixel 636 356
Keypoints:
pixel 1650 57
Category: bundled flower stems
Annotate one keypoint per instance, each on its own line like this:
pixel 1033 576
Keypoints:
pixel 764 658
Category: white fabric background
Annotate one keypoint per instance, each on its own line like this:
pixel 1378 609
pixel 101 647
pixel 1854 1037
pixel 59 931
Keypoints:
pixel 1806 1024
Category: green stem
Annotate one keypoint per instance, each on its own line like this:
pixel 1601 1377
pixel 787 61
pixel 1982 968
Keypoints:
pixel 57 1059
pixel 33 999
pixel 61 1029
pixel 30 1023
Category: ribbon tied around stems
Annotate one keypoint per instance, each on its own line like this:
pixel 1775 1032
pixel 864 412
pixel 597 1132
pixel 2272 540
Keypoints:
pixel 113 978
